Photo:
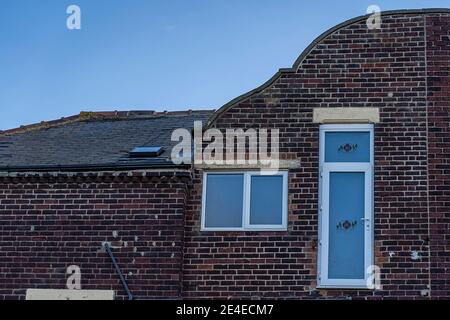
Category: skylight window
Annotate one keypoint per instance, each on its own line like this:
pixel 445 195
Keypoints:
pixel 147 152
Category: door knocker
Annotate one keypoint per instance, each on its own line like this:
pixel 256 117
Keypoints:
pixel 348 147
pixel 345 225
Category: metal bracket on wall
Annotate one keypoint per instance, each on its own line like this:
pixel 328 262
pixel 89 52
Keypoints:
pixel 119 272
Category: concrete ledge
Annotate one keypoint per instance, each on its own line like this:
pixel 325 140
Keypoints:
pixel 62 294
pixel 346 115
pixel 283 165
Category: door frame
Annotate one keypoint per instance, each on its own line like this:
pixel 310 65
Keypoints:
pixel 323 217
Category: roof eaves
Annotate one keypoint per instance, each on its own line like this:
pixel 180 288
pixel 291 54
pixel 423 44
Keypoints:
pixel 93 167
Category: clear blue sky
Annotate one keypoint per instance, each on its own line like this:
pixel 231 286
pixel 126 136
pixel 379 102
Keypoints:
pixel 153 54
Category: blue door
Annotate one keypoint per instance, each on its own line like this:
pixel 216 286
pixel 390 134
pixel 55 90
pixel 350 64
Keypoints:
pixel 346 226
pixel 345 208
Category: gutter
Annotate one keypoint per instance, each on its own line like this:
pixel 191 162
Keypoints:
pixel 92 167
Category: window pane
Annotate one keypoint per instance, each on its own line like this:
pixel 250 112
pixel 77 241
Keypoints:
pixel 224 200
pixel 346 237
pixel 347 147
pixel 266 200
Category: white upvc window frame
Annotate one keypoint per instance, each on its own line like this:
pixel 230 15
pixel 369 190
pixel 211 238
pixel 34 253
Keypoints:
pixel 325 168
pixel 246 226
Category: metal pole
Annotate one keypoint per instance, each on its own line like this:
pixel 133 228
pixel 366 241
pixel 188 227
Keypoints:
pixel 119 272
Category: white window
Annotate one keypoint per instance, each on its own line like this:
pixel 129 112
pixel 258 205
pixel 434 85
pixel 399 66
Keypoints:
pixel 345 206
pixel 244 201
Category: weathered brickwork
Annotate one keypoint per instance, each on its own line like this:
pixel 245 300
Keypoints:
pixel 152 219
pixel 351 67
pixel 48 224
pixel 438 84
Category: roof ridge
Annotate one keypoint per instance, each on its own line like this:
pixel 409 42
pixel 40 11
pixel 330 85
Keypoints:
pixel 101 115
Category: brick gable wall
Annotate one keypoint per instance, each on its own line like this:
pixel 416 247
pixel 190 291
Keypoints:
pixel 352 67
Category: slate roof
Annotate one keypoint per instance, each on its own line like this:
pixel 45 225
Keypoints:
pixel 94 140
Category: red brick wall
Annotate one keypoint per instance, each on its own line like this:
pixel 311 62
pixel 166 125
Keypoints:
pixel 47 224
pixel 438 71
pixel 352 67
